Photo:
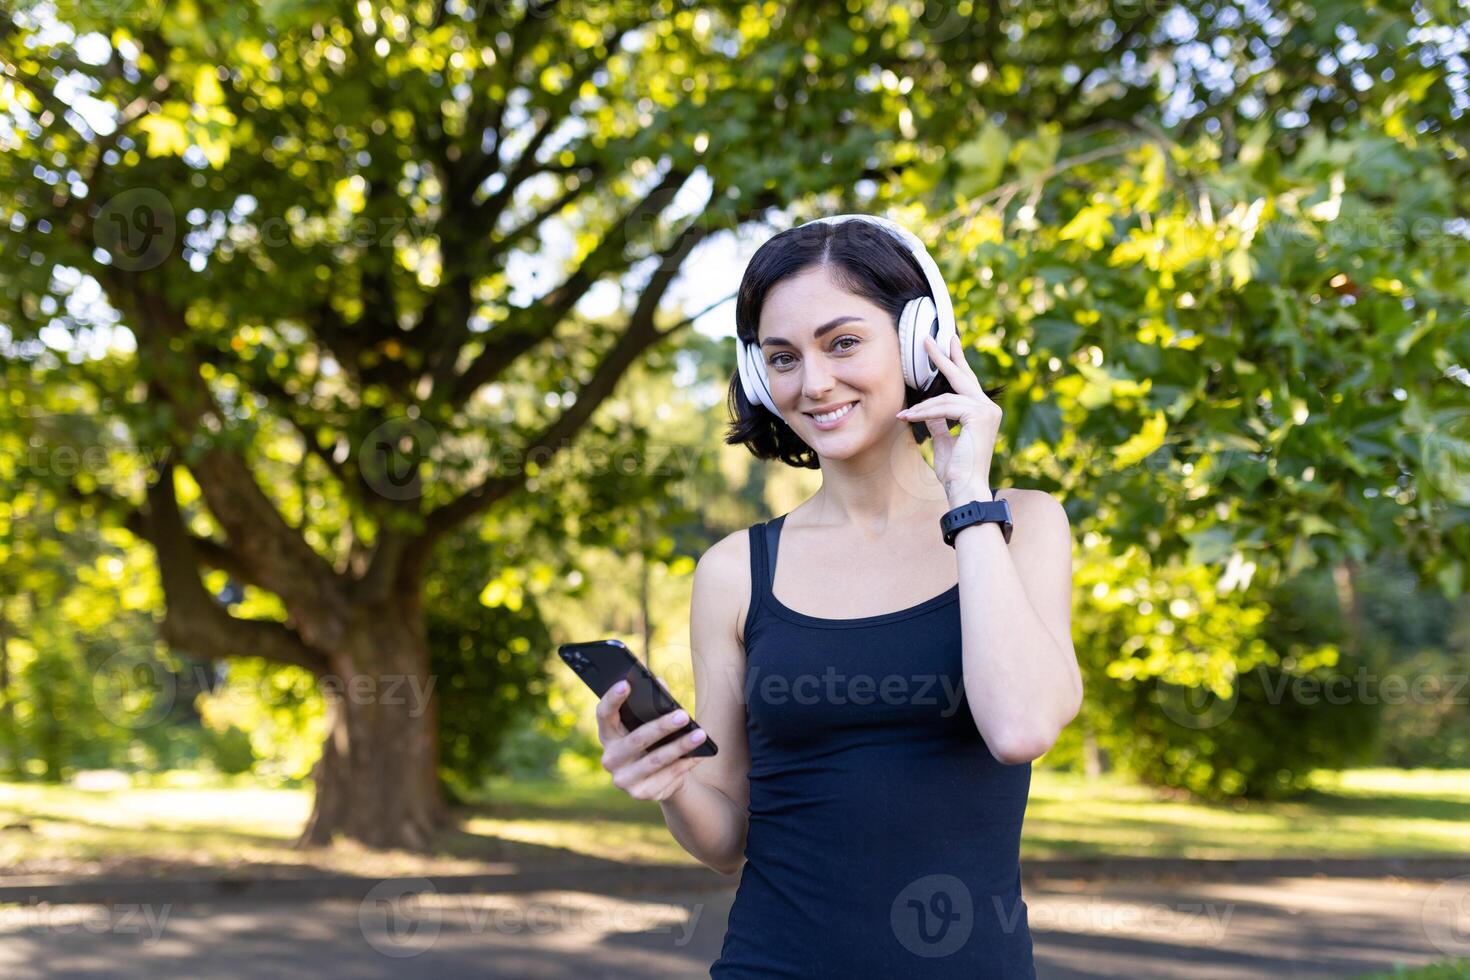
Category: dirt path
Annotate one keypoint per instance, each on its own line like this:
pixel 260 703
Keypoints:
pixel 1299 927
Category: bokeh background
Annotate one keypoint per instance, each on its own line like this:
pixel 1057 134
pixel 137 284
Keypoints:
pixel 356 354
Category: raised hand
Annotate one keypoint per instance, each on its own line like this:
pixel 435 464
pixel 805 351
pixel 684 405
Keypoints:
pixel 961 459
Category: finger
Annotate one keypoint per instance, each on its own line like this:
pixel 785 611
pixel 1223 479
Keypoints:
pixel 609 720
pixel 952 364
pixel 634 744
pixel 946 406
pixel 645 735
pixel 663 756
pixel 663 784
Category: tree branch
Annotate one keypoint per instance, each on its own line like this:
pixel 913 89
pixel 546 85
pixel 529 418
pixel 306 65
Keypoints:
pixel 277 556
pixel 537 322
pixel 194 620
pixel 641 334
pixel 447 313
pixel 487 164
pixel 283 404
pixel 536 18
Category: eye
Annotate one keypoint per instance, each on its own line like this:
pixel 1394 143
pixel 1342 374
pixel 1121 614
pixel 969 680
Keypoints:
pixel 773 362
pixel 849 337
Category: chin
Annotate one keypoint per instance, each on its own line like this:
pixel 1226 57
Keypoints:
pixel 843 444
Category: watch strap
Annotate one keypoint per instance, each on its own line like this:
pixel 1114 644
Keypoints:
pixel 976 512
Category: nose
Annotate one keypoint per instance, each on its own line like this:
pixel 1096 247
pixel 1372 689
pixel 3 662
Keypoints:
pixel 816 379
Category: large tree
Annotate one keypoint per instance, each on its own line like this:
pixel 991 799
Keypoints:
pixel 316 221
pixel 305 216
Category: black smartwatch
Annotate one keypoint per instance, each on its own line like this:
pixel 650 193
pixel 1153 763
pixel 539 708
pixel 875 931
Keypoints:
pixel 976 512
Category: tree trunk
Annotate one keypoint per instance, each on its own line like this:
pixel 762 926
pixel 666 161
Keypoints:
pixel 1345 579
pixel 377 779
pixel 1093 762
pixel 645 610
pixel 7 705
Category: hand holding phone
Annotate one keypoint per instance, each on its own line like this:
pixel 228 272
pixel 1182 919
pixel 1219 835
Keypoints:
pixel 651 761
pixel 649 742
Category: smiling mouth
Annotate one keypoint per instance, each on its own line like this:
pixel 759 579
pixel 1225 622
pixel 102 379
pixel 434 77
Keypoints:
pixel 832 416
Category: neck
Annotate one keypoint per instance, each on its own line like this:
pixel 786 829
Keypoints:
pixel 889 484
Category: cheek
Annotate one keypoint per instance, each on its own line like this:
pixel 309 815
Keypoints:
pixel 881 375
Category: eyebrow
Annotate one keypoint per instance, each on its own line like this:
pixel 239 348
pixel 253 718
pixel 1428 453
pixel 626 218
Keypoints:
pixel 827 327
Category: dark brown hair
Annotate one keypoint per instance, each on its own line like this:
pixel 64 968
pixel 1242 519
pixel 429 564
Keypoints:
pixel 863 259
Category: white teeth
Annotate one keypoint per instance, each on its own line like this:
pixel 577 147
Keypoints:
pixel 834 416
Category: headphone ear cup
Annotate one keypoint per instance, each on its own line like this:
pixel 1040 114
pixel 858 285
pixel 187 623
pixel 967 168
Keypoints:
pixel 752 376
pixel 747 375
pixel 906 340
pixel 742 367
pixel 920 319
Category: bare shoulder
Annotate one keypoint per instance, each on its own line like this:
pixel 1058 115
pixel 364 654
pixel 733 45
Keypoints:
pixel 1038 502
pixel 1041 548
pixel 722 582
pixel 1039 517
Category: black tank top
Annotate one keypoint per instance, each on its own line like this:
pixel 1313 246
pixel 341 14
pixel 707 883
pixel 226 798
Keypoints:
pixel 884 837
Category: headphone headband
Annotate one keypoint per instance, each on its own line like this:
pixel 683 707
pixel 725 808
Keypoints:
pixel 930 268
pixel 917 367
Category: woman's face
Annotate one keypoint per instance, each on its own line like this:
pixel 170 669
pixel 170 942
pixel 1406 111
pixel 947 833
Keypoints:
pixel 828 349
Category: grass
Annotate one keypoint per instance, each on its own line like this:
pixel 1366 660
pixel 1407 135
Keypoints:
pixel 1446 970
pixel 1360 813
pixel 189 824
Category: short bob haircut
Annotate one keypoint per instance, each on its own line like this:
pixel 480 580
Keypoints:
pixel 863 259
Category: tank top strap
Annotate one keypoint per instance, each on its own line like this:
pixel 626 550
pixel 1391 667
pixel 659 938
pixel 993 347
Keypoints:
pixel 773 541
pixel 764 541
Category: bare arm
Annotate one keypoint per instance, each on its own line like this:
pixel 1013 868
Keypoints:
pixel 708 813
pixel 1021 674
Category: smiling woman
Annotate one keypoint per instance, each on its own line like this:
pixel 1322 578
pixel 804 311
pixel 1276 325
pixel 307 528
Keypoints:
pixel 879 692
pixel 853 263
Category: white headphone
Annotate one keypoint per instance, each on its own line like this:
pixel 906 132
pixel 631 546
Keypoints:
pixel 931 316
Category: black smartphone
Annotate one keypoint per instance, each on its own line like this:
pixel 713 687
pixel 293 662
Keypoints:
pixel 602 663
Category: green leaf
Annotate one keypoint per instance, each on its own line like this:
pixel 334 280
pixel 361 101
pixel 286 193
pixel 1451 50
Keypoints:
pixel 1142 444
pixel 1213 544
pixel 166 135
pixel 1037 153
pixel 1055 335
pixel 982 160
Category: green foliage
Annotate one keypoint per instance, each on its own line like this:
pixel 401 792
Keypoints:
pixel 481 654
pixel 1231 317
pixel 1430 729
pixel 1240 693
pixel 232 752
pixel 1234 351
pixel 1176 671
pixel 278 708
pixel 1265 746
